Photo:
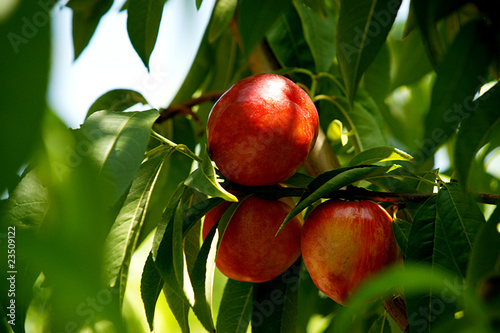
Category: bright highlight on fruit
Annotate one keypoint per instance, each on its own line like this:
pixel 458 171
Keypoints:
pixel 344 243
pixel 261 130
pixel 249 250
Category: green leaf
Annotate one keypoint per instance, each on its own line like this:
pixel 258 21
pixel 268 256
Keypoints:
pixel 117 100
pixel 331 181
pixel 122 238
pixel 25 52
pixel 275 302
pixel 401 230
pixel 117 142
pixel 411 61
pixel 27 204
pixel 204 180
pixel 151 286
pixel 179 307
pixel 198 4
pixel 460 75
pixel 265 12
pixel 202 277
pixel 474 132
pixel 235 307
pixel 366 127
pixel 197 211
pixel 377 77
pixel 461 220
pixel 223 13
pixel 415 280
pixel 485 256
pixel 362 29
pixel 143 23
pixel 287 41
pixel 86 17
pixel 319 33
pixel 379 154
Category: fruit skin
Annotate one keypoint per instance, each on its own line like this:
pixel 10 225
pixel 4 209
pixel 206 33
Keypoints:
pixel 249 250
pixel 344 243
pixel 261 130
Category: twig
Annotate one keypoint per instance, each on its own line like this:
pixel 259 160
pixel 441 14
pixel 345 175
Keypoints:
pixel 186 107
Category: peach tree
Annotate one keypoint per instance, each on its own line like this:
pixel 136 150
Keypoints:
pixel 409 118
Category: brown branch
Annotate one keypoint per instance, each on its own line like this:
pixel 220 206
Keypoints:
pixel 396 308
pixel 186 108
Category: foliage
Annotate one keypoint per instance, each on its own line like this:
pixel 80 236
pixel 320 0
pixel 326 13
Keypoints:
pixel 390 94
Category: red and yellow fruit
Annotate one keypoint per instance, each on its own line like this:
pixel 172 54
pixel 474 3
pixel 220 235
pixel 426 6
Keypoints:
pixel 261 130
pixel 344 243
pixel 249 250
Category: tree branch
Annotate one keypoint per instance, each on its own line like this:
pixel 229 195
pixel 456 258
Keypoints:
pixel 186 107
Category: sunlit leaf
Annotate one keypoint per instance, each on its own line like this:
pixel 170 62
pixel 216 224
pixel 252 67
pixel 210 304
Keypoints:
pixel 117 142
pixel 379 154
pixel 204 180
pixel 117 100
pixel 122 238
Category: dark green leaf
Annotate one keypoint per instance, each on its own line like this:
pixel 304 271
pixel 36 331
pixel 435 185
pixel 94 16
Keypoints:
pixel 460 75
pixel 122 238
pixel 473 133
pixel 202 277
pixel 143 23
pixel 223 13
pixel 319 32
pixel 379 154
pixel 25 53
pixel 286 39
pixel 86 17
pixel 197 211
pixel 411 61
pixel 116 141
pixel 461 220
pixel 275 302
pixel 331 181
pixel 235 307
pixel 401 230
pixel 151 286
pixel 198 4
pixel 377 77
pixel 362 30
pixel 204 180
pixel 179 307
pixel 265 12
pixel 117 100
pixel 485 256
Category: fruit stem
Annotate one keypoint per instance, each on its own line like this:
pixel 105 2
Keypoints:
pixel 181 148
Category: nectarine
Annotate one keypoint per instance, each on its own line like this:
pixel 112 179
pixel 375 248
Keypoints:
pixel 249 250
pixel 344 243
pixel 261 130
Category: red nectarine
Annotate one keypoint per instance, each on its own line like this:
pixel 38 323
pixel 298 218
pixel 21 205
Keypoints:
pixel 261 130
pixel 344 243
pixel 249 250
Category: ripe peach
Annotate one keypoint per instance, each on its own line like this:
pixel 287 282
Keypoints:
pixel 249 250
pixel 261 130
pixel 344 243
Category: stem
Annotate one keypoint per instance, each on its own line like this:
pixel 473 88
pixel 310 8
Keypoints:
pixel 186 107
pixel 181 148
pixel 350 126
pixel 334 79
